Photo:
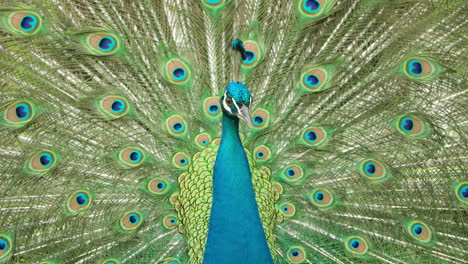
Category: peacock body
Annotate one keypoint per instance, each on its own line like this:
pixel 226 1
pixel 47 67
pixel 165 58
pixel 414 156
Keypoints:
pixel 146 132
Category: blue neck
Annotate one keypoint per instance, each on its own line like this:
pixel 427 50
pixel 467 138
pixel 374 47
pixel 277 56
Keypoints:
pixel 235 233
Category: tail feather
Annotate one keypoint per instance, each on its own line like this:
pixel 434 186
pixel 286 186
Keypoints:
pixel 358 112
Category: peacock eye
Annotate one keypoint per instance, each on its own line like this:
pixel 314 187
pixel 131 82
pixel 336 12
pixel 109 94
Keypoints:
pixel 131 220
pixel 25 23
pixel 103 43
pixel 229 101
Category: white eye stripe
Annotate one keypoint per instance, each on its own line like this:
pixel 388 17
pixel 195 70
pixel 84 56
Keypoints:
pixel 225 104
pixel 235 103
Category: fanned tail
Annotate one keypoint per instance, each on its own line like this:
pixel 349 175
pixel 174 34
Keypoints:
pixel 358 118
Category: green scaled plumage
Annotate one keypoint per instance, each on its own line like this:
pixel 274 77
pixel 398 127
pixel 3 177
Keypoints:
pixel 110 125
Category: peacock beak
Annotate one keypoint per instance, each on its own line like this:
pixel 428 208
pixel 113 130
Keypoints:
pixel 244 113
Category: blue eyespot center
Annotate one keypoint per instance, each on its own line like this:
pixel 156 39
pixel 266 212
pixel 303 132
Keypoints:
pixel 370 167
pixel 285 208
pixel 178 127
pixel 312 6
pixel 81 199
pixel 319 196
pixel 173 220
pixel 3 245
pixel 312 80
pixel 161 185
pixel 134 218
pixel 46 159
pixel 464 192
pixel 407 124
pixel 22 111
pixel 204 142
pixel 311 136
pixel 260 155
pixel 415 67
pixel 249 57
pixel 183 161
pixel 295 253
pixel 106 44
pixel 179 74
pixel 354 243
pixel 135 156
pixel 214 109
pixel 213 1
pixel 418 229
pixel 118 106
pixel 28 23
pixel 290 173
pixel 258 120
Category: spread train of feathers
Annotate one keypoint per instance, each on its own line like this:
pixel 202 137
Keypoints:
pixel 110 124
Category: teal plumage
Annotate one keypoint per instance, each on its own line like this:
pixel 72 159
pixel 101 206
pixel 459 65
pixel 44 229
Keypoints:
pixel 112 131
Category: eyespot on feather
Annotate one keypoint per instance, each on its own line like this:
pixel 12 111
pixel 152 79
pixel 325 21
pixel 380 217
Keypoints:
pixel 262 153
pixel 203 140
pixel 6 246
pixel 419 231
pixel 114 107
pixel 313 80
pixel 411 125
pixel 213 3
pixel 252 54
pixel 78 201
pixel 131 157
pixel 322 198
pixel 26 23
pixel 315 136
pixel 131 220
pixel 19 113
pixel 373 170
pixel 293 173
pixel 157 186
pixel 461 192
pixel 296 254
pixel 172 261
pixel 111 261
pixel 42 161
pixel 212 108
pixel 181 160
pixel 177 72
pixel 103 44
pixel 311 7
pixel 170 221
pixel 420 69
pixel 260 118
pixel 176 126
pixel 314 9
pixel 287 209
pixel 356 245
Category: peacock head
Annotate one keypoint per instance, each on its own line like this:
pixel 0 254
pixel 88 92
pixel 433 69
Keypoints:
pixel 236 101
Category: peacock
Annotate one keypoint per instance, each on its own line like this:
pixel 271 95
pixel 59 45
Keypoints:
pixel 233 131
